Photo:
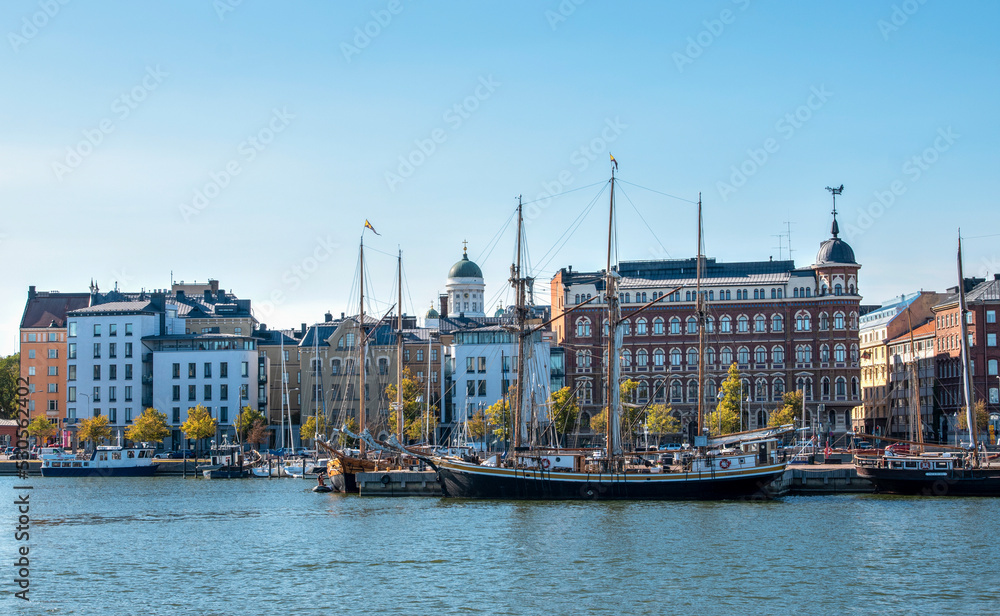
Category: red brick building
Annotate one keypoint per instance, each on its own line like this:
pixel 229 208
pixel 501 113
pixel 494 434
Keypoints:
pixel 785 327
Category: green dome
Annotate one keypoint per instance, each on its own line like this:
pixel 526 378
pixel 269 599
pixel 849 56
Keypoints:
pixel 432 314
pixel 465 269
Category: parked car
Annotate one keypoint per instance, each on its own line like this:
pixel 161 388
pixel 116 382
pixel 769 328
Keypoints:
pixel 184 453
pixel 167 455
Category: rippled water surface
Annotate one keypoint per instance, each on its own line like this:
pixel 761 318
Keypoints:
pixel 169 546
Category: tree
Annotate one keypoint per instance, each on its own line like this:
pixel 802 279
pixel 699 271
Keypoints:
pixel 258 433
pixel 347 441
pixel 10 370
pixel 629 414
pixel 563 410
pixel 599 422
pixel 200 424
pixel 981 416
pixel 477 425
pixel 660 420
pixel 94 429
pixel 789 412
pixel 725 419
pixel 41 428
pixel 246 419
pixel 149 427
pixel 308 429
pixel 422 426
pixel 498 417
pixel 412 405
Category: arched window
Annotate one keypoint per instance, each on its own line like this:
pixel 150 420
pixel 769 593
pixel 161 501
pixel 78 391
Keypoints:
pixel 777 323
pixel 743 324
pixel 658 326
pixel 824 322
pixel 756 294
pixel 778 354
pixel 583 327
pixel 692 356
pixel 643 392
pixel 854 387
pixel 676 391
pixel 692 325
pixel 587 392
pixel 675 325
pixel 583 360
pixel 640 326
pixel 626 359
pixel 576 298
pixel 658 358
pixel 692 391
pixel 726 356
pixel 659 390
pixel 710 390
pixel 383 366
pixel 825 387
pixel 759 323
pixel 760 389
pixel 710 325
pixel 838 289
pixel 335 366
pixel 803 354
pixel 760 355
pixel 641 359
pixel 795 292
pixel 854 320
pixel 803 321
pixel 778 387
pixel 840 353
pixel 841 388
pixel 854 353
pixel 824 352
pixel 626 328
pixel 808 292
pixel 725 324
pixel 675 357
pixel 710 356
pixel 605 327
pixel 838 320
pixel 743 355
pixel 762 418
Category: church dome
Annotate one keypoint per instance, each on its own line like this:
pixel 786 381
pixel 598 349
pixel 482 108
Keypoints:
pixel 465 269
pixel 835 250
pixel 432 314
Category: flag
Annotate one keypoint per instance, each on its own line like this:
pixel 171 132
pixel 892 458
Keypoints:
pixel 368 225
pixel 615 162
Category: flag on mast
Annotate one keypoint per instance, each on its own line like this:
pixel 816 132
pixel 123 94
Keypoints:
pixel 368 225
pixel 613 160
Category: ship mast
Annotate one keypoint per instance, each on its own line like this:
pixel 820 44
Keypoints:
pixel 362 418
pixel 970 415
pixel 700 311
pixel 612 367
pixel 399 349
pixel 517 281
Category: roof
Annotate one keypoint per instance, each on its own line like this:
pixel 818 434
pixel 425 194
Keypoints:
pixel 112 307
pixel 887 311
pixel 42 309
pixel 196 337
pixel 276 337
pixel 988 291
pixel 835 250
pixel 926 330
pixel 643 274
pixel 465 269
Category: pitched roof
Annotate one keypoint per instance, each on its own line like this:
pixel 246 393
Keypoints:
pixel 926 330
pixel 42 309
pixel 110 307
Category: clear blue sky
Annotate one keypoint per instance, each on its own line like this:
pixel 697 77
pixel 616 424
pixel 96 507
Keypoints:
pixel 681 93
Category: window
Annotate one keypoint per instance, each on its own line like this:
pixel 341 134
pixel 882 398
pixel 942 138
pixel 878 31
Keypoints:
pixel 31 354
pixel 128 393
pixel 53 370
pixel 223 392
pixel 71 329
pixel 192 370
pixel 113 417
pixel 759 323
pixel 839 353
pixel 420 355
pixel 743 324
pixel 96 396
pixel 52 388
pixel 112 394
pixel 71 372
pixel 692 356
pixel 710 325
pixel 626 359
pixel 97 373
pixel 657 326
pixel 640 327
pixel 583 327
pixel 991 316
pixel 128 350
pixel 675 357
pixel 641 358
pixel 726 356
pixel 192 392
pixel 841 388
pixel 710 356
pixel 112 350
pixel 725 325
pixel 659 358
pixel 838 320
pixel 481 386
pixel 223 370
pixel 675 325
pixel 760 355
pixel 824 322
pixel 112 372
pixel 481 362
pixel 97 329
pixel 692 325
pixel 991 368
pixel 470 388
pixel 803 354
pixel 245 370
pixel 626 328
pixel 743 355
pixel 71 394
pixel 991 340
pixel 777 323
pixel 113 329
pixel 824 353
pixel 802 322
pixel 208 370
pixel 97 350
pixel 383 366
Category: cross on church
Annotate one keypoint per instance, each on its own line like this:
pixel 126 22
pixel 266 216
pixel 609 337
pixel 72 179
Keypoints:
pixel 465 246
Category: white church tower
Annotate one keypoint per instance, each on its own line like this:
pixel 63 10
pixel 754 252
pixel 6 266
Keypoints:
pixel 465 288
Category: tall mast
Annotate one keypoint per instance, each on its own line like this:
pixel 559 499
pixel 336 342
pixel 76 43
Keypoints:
pixel 699 309
pixel 970 415
pixel 362 411
pixel 517 281
pixel 612 367
pixel 399 348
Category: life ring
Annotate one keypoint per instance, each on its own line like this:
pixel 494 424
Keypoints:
pixel 545 463
pixel 925 466
pixel 385 480
pixel 724 464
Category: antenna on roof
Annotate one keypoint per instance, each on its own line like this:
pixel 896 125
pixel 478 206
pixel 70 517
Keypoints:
pixel 834 192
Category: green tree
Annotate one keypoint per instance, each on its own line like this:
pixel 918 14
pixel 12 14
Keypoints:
pixel 308 429
pixel 41 428
pixel 412 406
pixel 981 416
pixel 660 420
pixel 564 410
pixel 246 419
pixel 629 416
pixel 789 412
pixel 725 419
pixel 10 370
pixel 94 429
pixel 149 427
pixel 599 422
pixel 347 441
pixel 498 417
pixel 423 425
pixel 199 425
pixel 477 425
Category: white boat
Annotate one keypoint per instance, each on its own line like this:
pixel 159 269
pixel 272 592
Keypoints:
pixel 111 461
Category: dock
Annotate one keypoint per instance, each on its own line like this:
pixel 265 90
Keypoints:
pixel 399 483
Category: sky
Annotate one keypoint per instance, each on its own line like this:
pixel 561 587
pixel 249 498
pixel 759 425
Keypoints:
pixel 248 141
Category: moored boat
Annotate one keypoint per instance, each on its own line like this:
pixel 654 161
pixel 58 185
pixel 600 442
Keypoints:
pixel 105 461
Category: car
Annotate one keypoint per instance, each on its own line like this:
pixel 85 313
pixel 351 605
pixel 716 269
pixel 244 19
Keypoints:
pixel 671 447
pixel 184 453
pixel 167 455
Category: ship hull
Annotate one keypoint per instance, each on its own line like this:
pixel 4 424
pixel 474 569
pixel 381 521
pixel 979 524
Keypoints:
pixel 958 482
pixel 121 471
pixel 471 481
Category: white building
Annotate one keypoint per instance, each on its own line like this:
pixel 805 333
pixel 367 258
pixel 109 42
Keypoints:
pixel 465 288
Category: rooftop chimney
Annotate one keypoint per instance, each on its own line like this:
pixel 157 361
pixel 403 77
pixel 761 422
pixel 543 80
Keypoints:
pixel 31 292
pixel 214 285
pixel 328 317
pixel 208 296
pixel 303 329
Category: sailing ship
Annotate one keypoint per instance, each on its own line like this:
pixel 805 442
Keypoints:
pixel 534 473
pixel 953 472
